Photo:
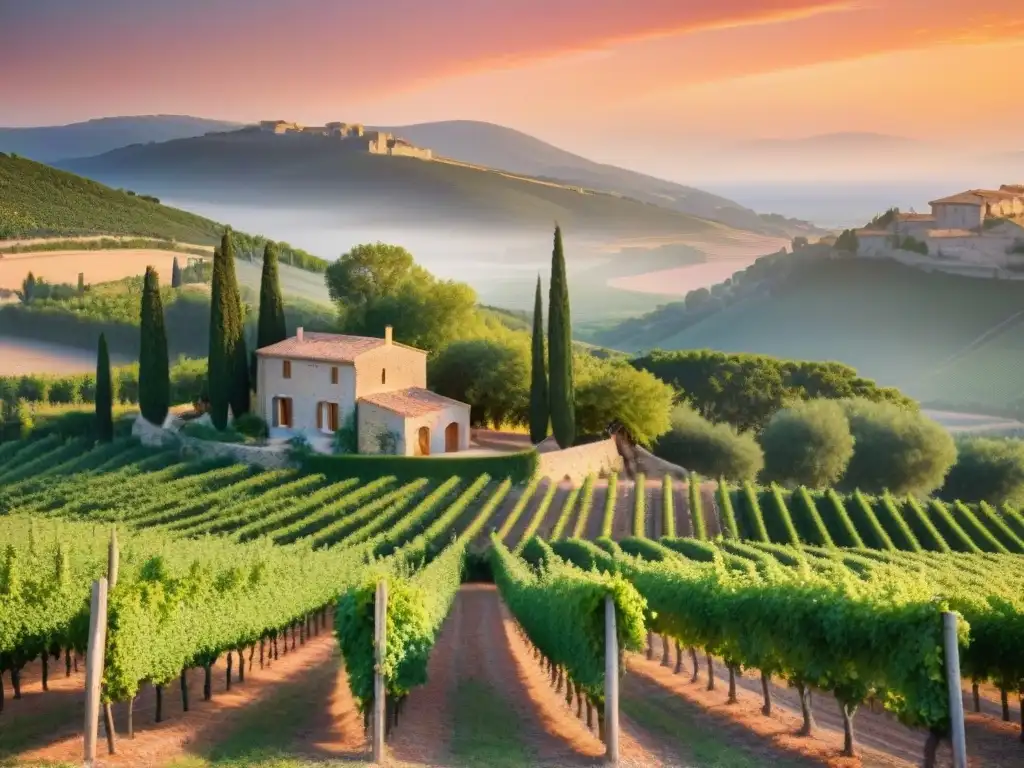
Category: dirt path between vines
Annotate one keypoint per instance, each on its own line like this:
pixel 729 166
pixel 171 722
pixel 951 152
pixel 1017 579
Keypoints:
pixel 181 734
pixel 882 741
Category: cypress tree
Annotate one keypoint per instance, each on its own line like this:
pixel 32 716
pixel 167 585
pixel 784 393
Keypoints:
pixel 175 274
pixel 228 364
pixel 104 394
pixel 561 386
pixel 540 414
pixel 154 370
pixel 239 397
pixel 218 364
pixel 270 327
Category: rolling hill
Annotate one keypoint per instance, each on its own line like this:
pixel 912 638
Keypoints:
pixel 948 340
pixel 40 201
pixel 467 141
pixel 496 146
pixel 58 142
pixel 37 201
pixel 254 168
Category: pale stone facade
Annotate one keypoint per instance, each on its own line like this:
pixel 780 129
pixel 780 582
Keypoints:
pixel 978 228
pixel 442 429
pixel 354 136
pixel 315 384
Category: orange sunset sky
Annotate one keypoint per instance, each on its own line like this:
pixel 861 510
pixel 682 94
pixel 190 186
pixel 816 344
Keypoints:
pixel 584 74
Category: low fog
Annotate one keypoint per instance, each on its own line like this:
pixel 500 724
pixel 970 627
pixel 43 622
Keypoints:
pixel 846 204
pixel 501 265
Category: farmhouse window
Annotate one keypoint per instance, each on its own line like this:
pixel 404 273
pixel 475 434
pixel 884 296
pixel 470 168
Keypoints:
pixel 283 412
pixel 286 369
pixel 334 374
pixel 327 417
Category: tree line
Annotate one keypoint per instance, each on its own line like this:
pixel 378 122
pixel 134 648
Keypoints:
pixel 229 366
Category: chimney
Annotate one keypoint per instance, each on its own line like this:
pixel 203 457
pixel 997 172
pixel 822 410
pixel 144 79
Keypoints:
pixel 298 333
pixel 387 334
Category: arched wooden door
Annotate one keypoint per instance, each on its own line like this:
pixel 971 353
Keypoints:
pixel 451 437
pixel 424 441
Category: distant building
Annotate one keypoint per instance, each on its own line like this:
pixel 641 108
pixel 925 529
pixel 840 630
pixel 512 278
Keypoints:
pixel 978 227
pixel 353 136
pixel 968 210
pixel 278 126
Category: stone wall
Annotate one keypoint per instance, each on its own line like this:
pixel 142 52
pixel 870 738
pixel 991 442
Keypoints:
pixel 971 257
pixel 269 457
pixel 652 466
pixel 576 463
pixel 407 151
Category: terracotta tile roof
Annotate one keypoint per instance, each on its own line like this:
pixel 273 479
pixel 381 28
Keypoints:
pixel 962 198
pixel 977 197
pixel 413 401
pixel 872 233
pixel 322 347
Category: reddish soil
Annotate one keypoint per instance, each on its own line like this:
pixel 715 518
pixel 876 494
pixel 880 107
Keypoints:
pixel 681 504
pixel 483 539
pixel 881 740
pixel 712 520
pixel 555 511
pixel 523 522
pixel 180 733
pixel 622 524
pixel 654 520
pixel 989 699
pixel 568 740
pixel 592 529
pixel 426 720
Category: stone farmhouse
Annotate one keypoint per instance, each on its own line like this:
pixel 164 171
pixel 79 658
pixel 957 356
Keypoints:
pixel 352 135
pixel 314 384
pixel 979 228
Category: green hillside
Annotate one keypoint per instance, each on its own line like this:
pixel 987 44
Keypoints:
pixel 39 201
pixel 252 168
pixel 986 377
pixel 938 337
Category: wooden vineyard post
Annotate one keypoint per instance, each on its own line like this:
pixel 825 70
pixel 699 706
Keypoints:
pixel 113 559
pixel 380 615
pixel 94 667
pixel 113 562
pixel 956 701
pixel 611 682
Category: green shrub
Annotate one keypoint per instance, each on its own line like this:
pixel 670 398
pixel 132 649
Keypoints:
pixel 895 449
pixel 212 434
pixel 346 437
pixel 807 444
pixel 986 469
pixel 712 450
pixel 519 467
pixel 250 425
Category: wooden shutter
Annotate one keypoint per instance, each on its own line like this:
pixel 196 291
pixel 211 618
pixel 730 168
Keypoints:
pixel 286 412
pixel 332 413
pixel 286 369
pixel 334 374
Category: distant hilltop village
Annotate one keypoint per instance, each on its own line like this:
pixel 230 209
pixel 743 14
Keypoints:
pixel 352 135
pixel 977 228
